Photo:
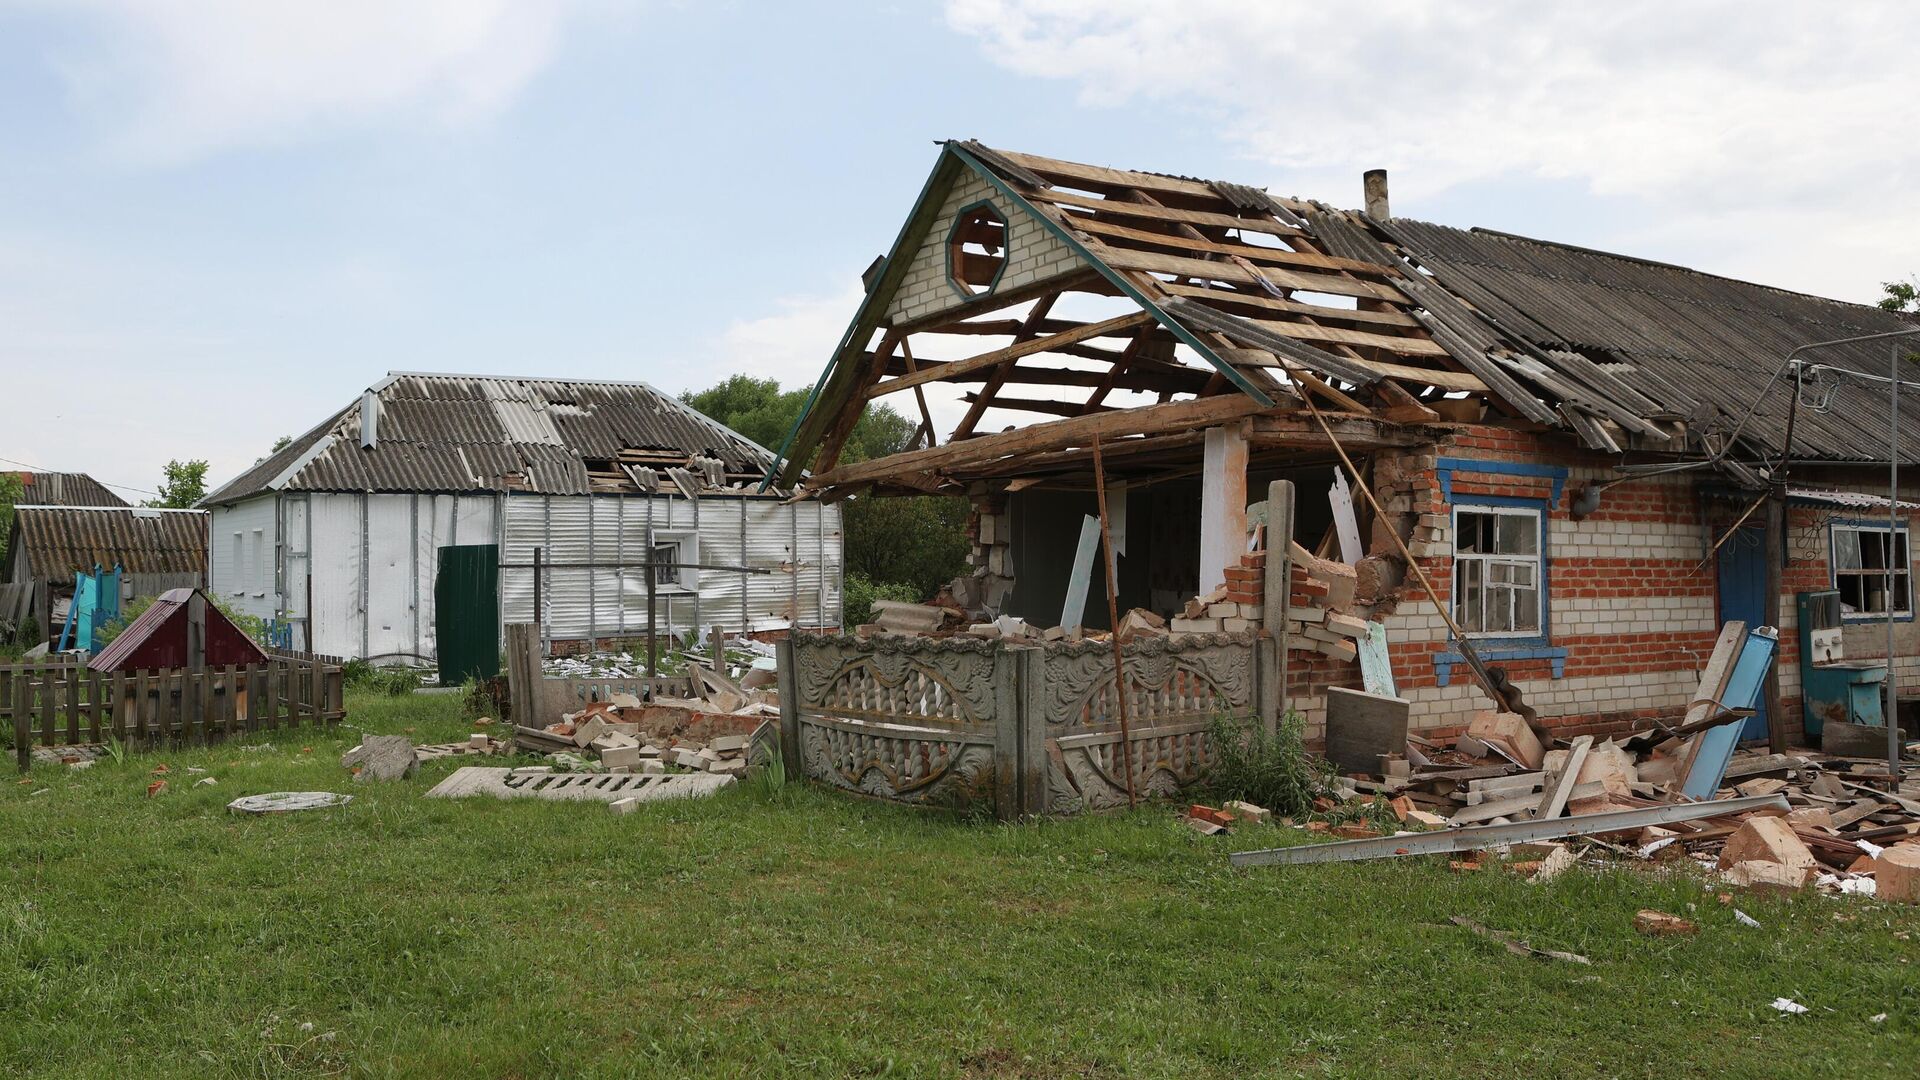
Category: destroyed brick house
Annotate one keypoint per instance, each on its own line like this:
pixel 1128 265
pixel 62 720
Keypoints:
pixel 1591 457
pixel 340 534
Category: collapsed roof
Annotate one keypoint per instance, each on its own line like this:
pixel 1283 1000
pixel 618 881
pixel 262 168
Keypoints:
pixel 417 432
pixel 1222 291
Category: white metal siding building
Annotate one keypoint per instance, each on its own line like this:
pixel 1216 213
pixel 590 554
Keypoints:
pixel 339 533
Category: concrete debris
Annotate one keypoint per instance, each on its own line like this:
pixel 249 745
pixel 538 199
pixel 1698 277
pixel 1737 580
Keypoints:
pixel 382 757
pixel 283 802
pixel 471 781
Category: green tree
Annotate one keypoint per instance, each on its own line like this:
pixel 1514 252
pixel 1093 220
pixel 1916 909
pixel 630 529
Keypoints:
pixel 11 489
pixel 185 484
pixel 896 546
pixel 1901 297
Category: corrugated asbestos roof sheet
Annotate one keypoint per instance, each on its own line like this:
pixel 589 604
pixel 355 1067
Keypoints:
pixel 60 540
pixel 476 433
pixel 1702 347
pixel 65 489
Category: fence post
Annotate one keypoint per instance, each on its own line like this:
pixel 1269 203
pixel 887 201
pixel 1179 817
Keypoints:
pixel 117 706
pixel 1007 731
pixel 49 690
pixel 523 668
pixel 1031 723
pixel 789 677
pixel 23 721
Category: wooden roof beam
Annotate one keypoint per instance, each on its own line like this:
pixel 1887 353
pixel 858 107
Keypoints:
pixel 1057 435
pixel 1027 347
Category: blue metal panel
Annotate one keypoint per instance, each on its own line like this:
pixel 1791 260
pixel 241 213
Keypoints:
pixel 1743 690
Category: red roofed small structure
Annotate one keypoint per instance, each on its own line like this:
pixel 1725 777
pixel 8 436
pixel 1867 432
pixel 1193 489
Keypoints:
pixel 161 638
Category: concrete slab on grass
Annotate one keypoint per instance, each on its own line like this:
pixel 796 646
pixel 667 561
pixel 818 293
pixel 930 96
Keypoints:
pixel 476 780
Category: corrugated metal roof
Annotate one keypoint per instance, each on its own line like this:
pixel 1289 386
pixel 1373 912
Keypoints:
pixel 64 489
pixel 483 433
pixel 1701 346
pixel 60 540
pixel 1852 500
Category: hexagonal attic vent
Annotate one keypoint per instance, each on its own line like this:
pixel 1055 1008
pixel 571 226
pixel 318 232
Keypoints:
pixel 977 249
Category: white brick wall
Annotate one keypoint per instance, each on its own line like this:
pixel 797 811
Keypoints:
pixel 1033 254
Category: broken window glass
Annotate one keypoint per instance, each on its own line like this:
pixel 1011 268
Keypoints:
pixel 1498 571
pixel 1861 557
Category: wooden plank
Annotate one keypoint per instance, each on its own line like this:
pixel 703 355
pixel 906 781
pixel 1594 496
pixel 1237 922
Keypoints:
pixel 1361 727
pixel 1228 298
pixel 142 692
pixel 72 678
pixel 229 704
pixel 1713 683
pixel 1060 434
pixel 1149 212
pixel 1153 262
pixel 1012 352
pixel 251 689
pixel 117 703
pixel 94 704
pixel 1404 346
pixel 22 688
pixel 1555 802
pixel 49 702
pixel 1105 177
pixel 1258 253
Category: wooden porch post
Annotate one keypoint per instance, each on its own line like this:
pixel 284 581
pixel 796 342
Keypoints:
pixel 1223 503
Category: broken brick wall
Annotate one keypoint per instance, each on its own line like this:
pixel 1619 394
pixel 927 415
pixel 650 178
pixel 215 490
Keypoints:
pixel 1632 596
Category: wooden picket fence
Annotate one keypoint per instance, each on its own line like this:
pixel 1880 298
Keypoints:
pixel 61 702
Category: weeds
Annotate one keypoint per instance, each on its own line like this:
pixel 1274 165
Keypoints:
pixel 1270 770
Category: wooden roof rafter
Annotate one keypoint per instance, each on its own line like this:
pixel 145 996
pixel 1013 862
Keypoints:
pixel 1275 298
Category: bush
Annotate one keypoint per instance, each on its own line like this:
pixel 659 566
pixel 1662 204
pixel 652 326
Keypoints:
pixel 1274 771
pixel 250 625
pixel 861 593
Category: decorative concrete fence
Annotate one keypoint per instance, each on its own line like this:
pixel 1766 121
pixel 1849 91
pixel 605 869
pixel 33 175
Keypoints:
pixel 1026 729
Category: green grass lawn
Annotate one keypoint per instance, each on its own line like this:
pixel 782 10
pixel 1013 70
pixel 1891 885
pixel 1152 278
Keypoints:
pixel 796 933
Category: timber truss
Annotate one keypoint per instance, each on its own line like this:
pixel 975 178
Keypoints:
pixel 1222 303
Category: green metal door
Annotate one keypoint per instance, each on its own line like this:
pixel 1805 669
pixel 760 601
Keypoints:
pixel 466 613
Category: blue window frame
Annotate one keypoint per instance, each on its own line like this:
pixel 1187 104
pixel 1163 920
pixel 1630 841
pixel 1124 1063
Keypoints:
pixel 1501 576
pixel 1860 550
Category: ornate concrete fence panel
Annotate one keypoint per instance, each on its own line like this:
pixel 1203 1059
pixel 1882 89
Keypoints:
pixel 955 722
pixel 902 718
pixel 1175 687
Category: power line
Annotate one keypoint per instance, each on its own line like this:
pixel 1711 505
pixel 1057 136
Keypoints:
pixel 123 487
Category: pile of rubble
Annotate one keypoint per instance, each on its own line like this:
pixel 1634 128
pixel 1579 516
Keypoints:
pixel 710 733
pixel 1831 822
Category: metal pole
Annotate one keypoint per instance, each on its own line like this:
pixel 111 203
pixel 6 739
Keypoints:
pixel 539 615
pixel 1893 537
pixel 653 646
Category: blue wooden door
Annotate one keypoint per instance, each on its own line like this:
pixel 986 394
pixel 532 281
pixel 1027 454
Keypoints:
pixel 1743 593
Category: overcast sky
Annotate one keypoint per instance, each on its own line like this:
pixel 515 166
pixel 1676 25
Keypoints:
pixel 222 219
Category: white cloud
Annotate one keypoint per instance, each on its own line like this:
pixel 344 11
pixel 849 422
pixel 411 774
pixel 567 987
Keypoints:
pixel 790 346
pixel 176 79
pixel 1717 115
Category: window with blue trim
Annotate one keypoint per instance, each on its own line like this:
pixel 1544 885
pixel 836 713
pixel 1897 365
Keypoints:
pixel 1499 572
pixel 1871 569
